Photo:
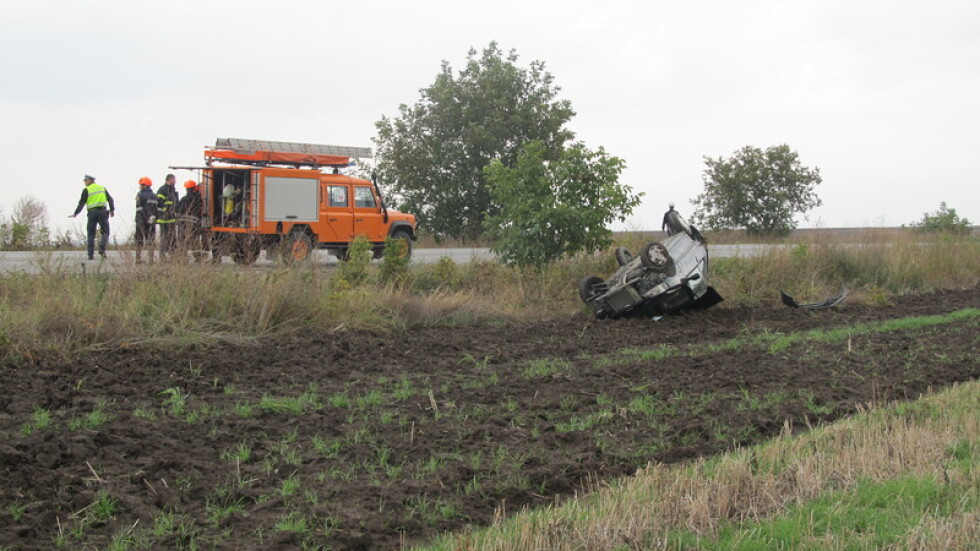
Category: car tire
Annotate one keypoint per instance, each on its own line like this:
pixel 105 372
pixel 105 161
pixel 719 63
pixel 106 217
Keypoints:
pixel 623 256
pixel 586 289
pixel 407 238
pixel 246 250
pixel 655 256
pixel 297 248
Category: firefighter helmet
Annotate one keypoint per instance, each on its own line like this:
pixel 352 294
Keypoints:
pixel 189 184
pixel 146 181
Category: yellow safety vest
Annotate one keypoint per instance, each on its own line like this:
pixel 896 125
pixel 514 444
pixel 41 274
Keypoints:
pixel 97 197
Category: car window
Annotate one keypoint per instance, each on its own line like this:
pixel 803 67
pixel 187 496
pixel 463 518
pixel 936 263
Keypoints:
pixel 338 196
pixel 363 197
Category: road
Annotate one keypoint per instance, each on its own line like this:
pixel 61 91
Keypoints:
pixel 74 261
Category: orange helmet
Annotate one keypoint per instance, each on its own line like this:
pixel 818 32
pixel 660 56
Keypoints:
pixel 146 181
pixel 190 184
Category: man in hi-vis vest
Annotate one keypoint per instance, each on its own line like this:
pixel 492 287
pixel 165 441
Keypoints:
pixel 100 206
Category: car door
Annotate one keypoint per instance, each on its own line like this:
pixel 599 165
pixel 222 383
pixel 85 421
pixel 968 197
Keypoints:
pixel 368 219
pixel 338 218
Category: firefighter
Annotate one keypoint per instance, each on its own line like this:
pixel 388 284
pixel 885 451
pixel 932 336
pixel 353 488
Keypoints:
pixel 189 211
pixel 167 217
pixel 146 216
pixel 100 208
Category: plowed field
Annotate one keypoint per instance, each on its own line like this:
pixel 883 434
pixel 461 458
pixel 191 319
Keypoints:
pixel 351 440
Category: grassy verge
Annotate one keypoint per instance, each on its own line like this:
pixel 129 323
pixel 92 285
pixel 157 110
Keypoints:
pixel 59 311
pixel 902 476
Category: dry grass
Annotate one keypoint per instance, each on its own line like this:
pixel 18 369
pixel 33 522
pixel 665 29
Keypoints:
pixel 875 270
pixel 62 312
pixel 664 505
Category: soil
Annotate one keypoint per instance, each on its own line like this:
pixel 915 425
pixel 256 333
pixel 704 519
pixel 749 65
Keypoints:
pixel 354 440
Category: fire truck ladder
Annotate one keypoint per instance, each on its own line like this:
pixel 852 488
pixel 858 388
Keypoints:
pixel 265 153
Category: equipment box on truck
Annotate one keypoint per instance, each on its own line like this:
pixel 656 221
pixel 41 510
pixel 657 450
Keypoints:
pixel 289 198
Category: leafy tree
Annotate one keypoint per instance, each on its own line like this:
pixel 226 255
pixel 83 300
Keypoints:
pixel 432 155
pixel 552 208
pixel 944 220
pixel 756 190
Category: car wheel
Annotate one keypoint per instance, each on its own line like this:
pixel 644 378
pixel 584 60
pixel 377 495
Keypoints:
pixel 298 248
pixel 655 256
pixel 623 256
pixel 588 288
pixel 406 239
pixel 246 251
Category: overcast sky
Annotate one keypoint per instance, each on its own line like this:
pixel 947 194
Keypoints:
pixel 882 96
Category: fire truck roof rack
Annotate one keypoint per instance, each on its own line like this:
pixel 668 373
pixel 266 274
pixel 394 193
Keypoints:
pixel 265 153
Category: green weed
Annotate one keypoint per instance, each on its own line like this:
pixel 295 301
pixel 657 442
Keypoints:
pixel 94 419
pixel 41 419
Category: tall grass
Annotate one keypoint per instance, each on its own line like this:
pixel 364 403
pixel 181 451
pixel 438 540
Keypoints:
pixel 62 311
pixel 875 269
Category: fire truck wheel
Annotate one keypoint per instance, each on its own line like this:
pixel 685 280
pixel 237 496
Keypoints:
pixel 246 251
pixel 403 235
pixel 298 248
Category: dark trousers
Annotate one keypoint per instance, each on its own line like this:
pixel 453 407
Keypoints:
pixel 168 237
pixel 145 233
pixel 98 218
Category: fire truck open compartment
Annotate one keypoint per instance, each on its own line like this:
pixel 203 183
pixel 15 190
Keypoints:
pixel 235 215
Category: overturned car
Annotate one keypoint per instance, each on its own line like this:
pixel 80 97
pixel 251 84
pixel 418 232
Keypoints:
pixel 665 277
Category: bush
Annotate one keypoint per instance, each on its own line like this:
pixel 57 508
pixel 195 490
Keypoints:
pixel 944 220
pixel 27 227
pixel 354 271
pixel 394 261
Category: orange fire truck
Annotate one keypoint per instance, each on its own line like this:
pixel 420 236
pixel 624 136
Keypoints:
pixel 289 198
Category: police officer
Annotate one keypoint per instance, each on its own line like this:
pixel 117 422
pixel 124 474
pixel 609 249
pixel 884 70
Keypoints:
pixel 167 217
pixel 146 216
pixel 101 207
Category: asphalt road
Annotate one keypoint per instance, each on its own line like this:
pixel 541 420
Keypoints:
pixel 75 261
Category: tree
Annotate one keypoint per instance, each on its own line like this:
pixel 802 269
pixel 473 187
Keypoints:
pixel 550 209
pixel 27 227
pixel 944 220
pixel 432 155
pixel 756 190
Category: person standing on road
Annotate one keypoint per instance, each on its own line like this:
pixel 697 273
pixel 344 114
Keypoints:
pixel 668 224
pixel 167 217
pixel 101 207
pixel 189 210
pixel 146 216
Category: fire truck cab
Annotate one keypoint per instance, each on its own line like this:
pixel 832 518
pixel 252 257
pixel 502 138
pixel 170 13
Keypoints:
pixel 290 198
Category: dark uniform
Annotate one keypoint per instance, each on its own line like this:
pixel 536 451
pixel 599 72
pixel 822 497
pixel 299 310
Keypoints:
pixel 189 211
pixel 668 222
pixel 167 217
pixel 101 207
pixel 146 215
